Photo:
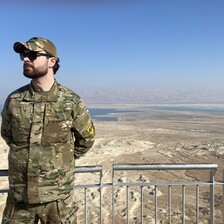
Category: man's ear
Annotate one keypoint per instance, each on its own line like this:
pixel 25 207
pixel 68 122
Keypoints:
pixel 52 62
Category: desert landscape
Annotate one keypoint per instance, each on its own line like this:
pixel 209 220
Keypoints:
pixel 146 134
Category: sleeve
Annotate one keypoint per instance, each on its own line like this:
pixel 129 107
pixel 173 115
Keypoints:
pixel 84 130
pixel 6 126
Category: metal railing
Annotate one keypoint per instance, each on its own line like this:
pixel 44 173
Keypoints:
pixel 166 167
pixel 143 186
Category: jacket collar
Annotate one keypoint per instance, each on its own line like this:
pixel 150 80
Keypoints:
pixel 33 96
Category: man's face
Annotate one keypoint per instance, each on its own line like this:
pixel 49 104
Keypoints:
pixel 35 64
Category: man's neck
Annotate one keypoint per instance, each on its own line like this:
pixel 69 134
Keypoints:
pixel 43 84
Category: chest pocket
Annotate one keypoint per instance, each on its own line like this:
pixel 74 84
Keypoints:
pixel 21 122
pixel 57 124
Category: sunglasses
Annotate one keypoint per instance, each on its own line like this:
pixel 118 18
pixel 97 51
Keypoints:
pixel 32 55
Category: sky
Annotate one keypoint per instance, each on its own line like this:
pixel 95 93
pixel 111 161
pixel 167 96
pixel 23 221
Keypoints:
pixel 162 45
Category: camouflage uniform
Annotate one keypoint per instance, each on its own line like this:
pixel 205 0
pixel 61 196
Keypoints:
pixel 45 133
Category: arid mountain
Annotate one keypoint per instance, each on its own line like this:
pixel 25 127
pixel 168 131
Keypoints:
pixel 141 96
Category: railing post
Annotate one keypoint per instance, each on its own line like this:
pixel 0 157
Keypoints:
pixel 197 204
pixel 112 195
pixel 183 204
pixel 212 174
pixel 223 197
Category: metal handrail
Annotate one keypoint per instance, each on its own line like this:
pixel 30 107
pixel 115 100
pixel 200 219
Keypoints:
pixel 152 167
pixel 166 166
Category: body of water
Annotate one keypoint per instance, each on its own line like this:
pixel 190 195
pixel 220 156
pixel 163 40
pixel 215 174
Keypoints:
pixel 106 114
pixel 191 108
pixel 110 114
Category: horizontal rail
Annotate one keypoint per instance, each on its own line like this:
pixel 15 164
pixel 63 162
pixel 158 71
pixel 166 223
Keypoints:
pixel 164 166
pixel 88 169
pixel 4 173
pixel 146 184
pixel 2 191
pixel 98 168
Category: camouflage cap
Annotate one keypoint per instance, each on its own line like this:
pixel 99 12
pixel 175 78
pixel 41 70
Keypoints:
pixel 36 44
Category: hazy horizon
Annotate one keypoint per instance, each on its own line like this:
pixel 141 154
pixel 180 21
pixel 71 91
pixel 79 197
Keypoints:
pixel 134 96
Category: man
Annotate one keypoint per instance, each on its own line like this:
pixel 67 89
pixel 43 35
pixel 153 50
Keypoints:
pixel 46 126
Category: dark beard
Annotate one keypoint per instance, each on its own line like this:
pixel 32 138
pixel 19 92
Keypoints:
pixel 30 72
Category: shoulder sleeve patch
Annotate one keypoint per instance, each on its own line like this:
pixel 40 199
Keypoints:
pixel 90 128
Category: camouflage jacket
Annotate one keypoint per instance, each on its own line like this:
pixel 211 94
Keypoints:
pixel 45 133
